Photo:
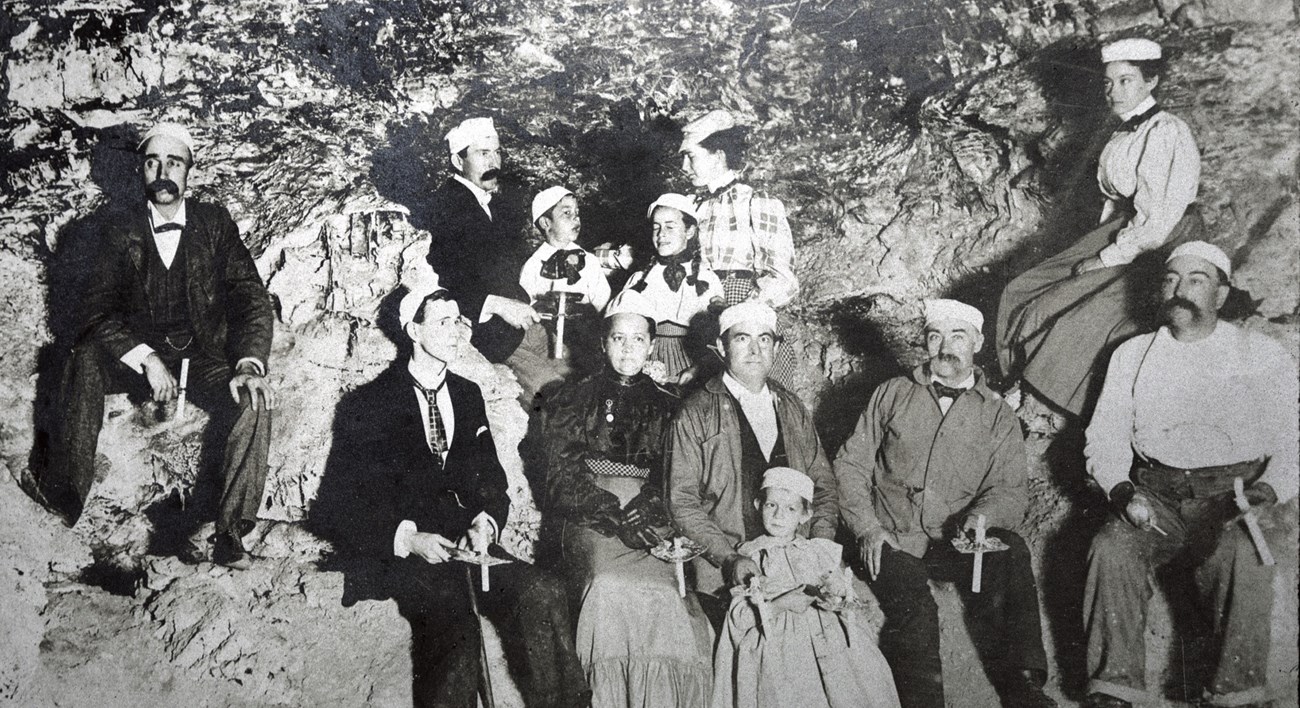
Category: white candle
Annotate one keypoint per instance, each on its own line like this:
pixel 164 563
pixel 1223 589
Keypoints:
pixel 185 378
pixel 979 554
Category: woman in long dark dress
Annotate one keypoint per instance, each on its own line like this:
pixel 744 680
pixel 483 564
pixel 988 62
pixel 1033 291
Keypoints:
pixel 1058 321
pixel 640 643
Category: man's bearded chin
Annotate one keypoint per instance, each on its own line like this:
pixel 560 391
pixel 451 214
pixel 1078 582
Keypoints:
pixel 159 186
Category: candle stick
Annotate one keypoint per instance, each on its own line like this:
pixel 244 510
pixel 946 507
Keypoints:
pixel 1252 524
pixel 681 571
pixel 979 554
pixel 483 573
pixel 185 378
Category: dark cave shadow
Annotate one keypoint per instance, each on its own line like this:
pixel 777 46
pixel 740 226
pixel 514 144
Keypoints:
pixel 840 405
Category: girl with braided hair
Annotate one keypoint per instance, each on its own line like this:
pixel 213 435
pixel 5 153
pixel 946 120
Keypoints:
pixel 680 287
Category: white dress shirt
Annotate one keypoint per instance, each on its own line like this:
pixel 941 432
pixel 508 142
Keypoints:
pixel 432 380
pixel 759 409
pixel 591 284
pixel 1228 398
pixel 1158 168
pixel 479 193
pixel 168 243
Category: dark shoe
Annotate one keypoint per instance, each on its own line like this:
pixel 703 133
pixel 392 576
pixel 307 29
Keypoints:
pixel 32 488
pixel 228 550
pixel 1104 700
pixel 1024 689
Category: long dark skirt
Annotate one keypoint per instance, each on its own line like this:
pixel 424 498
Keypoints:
pixel 1056 330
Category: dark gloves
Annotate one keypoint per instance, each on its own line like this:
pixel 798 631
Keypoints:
pixel 644 520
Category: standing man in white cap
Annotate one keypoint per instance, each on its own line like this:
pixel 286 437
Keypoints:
pixel 724 438
pixel 744 234
pixel 173 281
pixel 1184 412
pixel 413 478
pixel 933 454
pixel 478 247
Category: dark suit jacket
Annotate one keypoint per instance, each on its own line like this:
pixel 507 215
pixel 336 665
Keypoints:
pixel 228 304
pixel 474 257
pixel 380 471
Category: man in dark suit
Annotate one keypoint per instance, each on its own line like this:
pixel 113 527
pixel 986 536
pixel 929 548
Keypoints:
pixel 172 282
pixel 478 250
pixel 413 477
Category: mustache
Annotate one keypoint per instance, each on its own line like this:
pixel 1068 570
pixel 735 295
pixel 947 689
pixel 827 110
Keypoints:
pixel 1177 301
pixel 948 358
pixel 163 185
pixel 490 174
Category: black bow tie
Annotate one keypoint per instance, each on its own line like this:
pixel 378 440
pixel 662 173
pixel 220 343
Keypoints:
pixel 565 265
pixel 1131 125
pixel 706 194
pixel 169 226
pixel 946 391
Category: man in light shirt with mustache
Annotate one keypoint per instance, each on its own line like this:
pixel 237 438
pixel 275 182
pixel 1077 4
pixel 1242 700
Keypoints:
pixel 173 282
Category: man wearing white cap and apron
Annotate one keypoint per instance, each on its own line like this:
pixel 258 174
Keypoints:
pixel 477 248
pixel 935 453
pixel 1185 412
pixel 174 282
pixel 724 438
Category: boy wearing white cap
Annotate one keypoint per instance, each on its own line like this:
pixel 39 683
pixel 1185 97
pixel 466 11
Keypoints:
pixel 172 284
pixel 1184 413
pixel 560 264
pixel 724 437
pixel 414 480
pixel 478 248
pixel 810 645
pixel 933 453
pixel 677 282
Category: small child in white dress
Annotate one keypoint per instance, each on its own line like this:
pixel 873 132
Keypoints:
pixel 560 264
pixel 797 635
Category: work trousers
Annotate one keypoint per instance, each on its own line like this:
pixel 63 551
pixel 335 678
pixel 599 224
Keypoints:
pixel 1006 608
pixel 1230 584
pixel 90 373
pixel 527 606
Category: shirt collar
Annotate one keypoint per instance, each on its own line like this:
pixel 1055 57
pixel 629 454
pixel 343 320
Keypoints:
pixel 1146 105
pixel 483 196
pixel 156 219
pixel 426 379
pixel 743 394
pixel 724 180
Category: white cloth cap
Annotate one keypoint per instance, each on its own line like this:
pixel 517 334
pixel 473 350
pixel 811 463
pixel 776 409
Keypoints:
pixel 680 202
pixel 790 479
pixel 546 199
pixel 747 311
pixel 939 310
pixel 175 131
pixel 1206 252
pixel 410 305
pixel 468 132
pixel 630 302
pixel 1132 49
pixel 704 126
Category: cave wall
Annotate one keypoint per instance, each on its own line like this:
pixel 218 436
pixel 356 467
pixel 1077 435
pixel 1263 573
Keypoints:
pixel 922 149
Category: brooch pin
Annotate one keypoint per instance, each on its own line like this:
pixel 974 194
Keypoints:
pixel 609 410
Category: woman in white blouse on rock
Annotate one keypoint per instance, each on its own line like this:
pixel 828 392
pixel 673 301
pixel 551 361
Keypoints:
pixel 1058 322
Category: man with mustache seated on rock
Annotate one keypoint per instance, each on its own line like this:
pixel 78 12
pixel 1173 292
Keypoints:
pixel 478 250
pixel 932 453
pixel 172 282
pixel 1183 413
pixel 725 436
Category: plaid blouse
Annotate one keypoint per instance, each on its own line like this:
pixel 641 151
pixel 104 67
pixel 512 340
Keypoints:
pixel 743 229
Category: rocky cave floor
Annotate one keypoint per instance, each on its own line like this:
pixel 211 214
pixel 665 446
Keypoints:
pixel 922 148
